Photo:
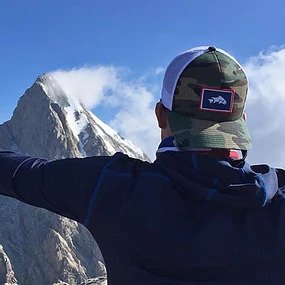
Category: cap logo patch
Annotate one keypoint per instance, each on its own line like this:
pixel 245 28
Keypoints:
pixel 217 100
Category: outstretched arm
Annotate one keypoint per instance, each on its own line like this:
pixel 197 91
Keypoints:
pixel 62 186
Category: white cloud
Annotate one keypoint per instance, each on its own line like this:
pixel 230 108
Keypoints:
pixel 88 84
pixel 266 107
pixel 135 118
pixel 159 70
pixel 132 102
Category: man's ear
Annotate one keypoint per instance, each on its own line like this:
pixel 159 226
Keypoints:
pixel 161 115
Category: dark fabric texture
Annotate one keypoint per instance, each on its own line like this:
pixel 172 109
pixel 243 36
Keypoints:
pixel 184 219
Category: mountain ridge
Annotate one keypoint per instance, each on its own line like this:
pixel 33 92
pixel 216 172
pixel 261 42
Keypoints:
pixel 42 247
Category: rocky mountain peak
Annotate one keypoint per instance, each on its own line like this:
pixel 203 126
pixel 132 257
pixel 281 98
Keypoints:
pixel 48 119
pixel 42 247
pixel 53 90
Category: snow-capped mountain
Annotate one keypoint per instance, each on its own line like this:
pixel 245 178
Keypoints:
pixel 49 123
pixel 36 246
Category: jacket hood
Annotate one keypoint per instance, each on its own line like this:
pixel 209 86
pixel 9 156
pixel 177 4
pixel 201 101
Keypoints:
pixel 225 181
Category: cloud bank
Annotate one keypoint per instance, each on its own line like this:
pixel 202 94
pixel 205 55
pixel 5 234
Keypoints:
pixel 266 107
pixel 130 103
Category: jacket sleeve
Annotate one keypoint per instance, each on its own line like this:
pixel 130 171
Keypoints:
pixel 62 186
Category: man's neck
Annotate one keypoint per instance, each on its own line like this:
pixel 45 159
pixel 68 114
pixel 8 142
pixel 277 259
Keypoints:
pixel 168 144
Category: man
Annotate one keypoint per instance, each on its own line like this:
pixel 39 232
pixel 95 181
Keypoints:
pixel 199 214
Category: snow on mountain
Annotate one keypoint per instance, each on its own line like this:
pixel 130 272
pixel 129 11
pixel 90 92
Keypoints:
pixel 81 120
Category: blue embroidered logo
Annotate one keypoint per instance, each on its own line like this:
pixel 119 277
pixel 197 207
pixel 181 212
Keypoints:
pixel 217 100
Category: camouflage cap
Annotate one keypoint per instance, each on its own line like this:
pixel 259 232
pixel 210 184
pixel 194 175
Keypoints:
pixel 204 90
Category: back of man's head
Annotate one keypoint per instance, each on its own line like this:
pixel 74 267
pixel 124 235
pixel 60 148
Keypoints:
pixel 204 91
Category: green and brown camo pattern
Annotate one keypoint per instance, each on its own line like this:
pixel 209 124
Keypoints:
pixel 193 127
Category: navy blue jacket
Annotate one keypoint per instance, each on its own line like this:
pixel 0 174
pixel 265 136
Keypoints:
pixel 184 219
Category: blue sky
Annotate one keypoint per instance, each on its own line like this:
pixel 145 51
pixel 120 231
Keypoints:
pixel 43 36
